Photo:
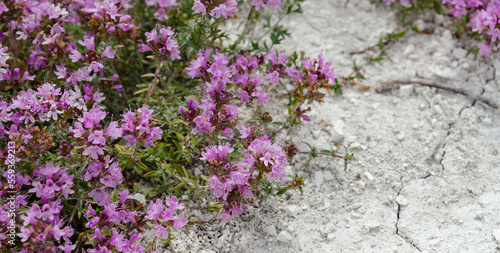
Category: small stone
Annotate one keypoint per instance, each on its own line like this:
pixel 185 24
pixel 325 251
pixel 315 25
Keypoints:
pixel 496 235
pixel 338 130
pixel 371 225
pixel 361 184
pixel 442 71
pixel 139 197
pixel 400 135
pixel 270 230
pixel 318 176
pixel 439 19
pixel 292 210
pixel 331 236
pixel 197 171
pixel 487 121
pixel 221 240
pixel 284 237
pixel 405 90
pixel 368 176
pixel 409 49
pixel 459 52
pixel 437 109
pixel 401 200
pixel 419 24
pixel 327 175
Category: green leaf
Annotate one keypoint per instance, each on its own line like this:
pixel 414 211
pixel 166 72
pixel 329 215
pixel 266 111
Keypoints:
pixel 153 174
pixel 280 192
pixel 360 76
pixel 142 166
pixel 437 7
pixel 215 207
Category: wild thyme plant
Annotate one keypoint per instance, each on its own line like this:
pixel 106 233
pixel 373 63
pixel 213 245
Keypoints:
pixel 480 17
pixel 97 96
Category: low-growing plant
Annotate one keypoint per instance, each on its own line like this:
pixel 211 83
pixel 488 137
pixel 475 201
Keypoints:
pixel 476 17
pixel 97 96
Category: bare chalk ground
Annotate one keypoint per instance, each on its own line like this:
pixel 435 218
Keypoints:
pixel 427 175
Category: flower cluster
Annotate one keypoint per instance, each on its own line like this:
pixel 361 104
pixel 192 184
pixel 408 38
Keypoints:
pixel 44 225
pixel 140 126
pixel 105 16
pixel 163 48
pixel 483 18
pixel 227 8
pixel 163 217
pixel 231 183
pixel 162 7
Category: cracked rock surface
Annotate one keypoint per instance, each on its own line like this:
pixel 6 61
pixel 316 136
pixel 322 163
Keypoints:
pixel 427 175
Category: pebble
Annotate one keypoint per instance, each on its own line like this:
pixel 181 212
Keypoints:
pixel 368 176
pixel 405 90
pixel 223 238
pixel 326 229
pixel 419 24
pixel 361 184
pixel 437 109
pixel 443 72
pixel 139 197
pixel 284 237
pixel 401 200
pixel 270 230
pixel 331 236
pixel 487 121
pixel 327 175
pixel 400 135
pixel 459 52
pixel 409 49
pixel 371 225
pixel 292 210
pixel 197 171
pixel 338 130
pixel 496 234
pixel 318 176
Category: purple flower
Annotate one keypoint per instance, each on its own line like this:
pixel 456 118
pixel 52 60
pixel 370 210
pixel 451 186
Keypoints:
pixel 216 152
pixel 93 151
pixel 88 42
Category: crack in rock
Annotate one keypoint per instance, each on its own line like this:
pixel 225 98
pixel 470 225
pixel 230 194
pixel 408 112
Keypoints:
pixel 404 237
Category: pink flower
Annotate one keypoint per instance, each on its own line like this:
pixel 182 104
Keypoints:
pixel 88 42
pixel 93 151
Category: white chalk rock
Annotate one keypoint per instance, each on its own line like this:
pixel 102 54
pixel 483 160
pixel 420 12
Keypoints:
pixel 496 235
pixel 459 52
pixel 318 176
pixel 284 237
pixel 371 225
pixel 400 135
pixel 327 175
pixel 139 197
pixel 270 230
pixel 197 171
pixel 368 176
pixel 338 130
pixel 419 24
pixel 409 49
pixel 442 71
pixel 222 240
pixel 401 200
pixel 405 90
pixel 292 210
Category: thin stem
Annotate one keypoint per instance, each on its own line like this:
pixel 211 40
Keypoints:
pixel 316 153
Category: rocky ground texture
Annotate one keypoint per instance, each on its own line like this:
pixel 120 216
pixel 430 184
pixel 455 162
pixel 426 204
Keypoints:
pixel 427 175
